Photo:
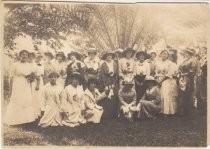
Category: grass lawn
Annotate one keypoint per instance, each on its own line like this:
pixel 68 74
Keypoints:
pixel 174 131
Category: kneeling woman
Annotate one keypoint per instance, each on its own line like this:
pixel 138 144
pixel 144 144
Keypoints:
pixel 71 102
pixel 51 102
pixel 127 97
pixel 150 104
pixel 92 111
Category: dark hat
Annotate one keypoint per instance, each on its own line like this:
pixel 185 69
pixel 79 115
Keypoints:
pixel 61 54
pixel 128 50
pixel 76 54
pixel 142 53
pixel 24 51
pixel 104 56
pixel 49 54
pixel 190 51
pixel 53 74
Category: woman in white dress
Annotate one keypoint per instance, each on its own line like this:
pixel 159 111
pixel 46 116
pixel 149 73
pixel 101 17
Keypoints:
pixel 71 102
pixel 92 111
pixel 37 94
pixel 60 67
pixel 165 70
pixel 20 109
pixel 51 103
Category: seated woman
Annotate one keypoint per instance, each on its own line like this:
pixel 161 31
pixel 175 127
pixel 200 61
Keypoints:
pixel 92 111
pixel 71 102
pixel 150 104
pixel 127 97
pixel 51 102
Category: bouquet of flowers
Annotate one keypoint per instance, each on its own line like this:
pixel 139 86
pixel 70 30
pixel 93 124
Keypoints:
pixel 31 77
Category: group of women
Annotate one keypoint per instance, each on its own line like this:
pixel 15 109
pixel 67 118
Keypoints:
pixel 79 89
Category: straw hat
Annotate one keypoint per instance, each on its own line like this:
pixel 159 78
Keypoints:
pixel 128 50
pixel 104 56
pixel 92 50
pixel 127 82
pixel 76 54
pixel 150 79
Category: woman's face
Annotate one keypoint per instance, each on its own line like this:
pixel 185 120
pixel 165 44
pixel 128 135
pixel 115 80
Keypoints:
pixel 153 56
pixel 92 55
pixel 59 59
pixel 92 86
pixel 128 54
pixel 24 56
pixel 75 82
pixel 164 55
pixel 141 57
pixel 73 57
pixel 109 57
pixel 53 80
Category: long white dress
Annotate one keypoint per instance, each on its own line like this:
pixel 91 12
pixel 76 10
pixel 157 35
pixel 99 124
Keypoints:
pixel 51 106
pixel 92 111
pixel 20 109
pixel 71 104
pixel 168 87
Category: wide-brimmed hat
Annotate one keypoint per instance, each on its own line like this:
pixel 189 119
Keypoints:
pixel 118 51
pixel 60 54
pixel 150 79
pixel 125 82
pixel 164 51
pixel 53 74
pixel 76 54
pixel 146 56
pixel 49 54
pixel 22 51
pixel 104 56
pixel 92 50
pixel 191 51
pixel 128 50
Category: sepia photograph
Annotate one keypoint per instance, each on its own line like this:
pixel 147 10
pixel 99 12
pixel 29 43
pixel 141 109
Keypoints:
pixel 104 74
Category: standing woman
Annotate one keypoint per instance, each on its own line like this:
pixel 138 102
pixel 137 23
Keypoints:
pixel 187 72
pixel 74 65
pixel 152 63
pixel 127 65
pixel 164 74
pixel 48 66
pixel 142 70
pixel 37 97
pixel 92 63
pixel 108 80
pixel 60 67
pixel 20 109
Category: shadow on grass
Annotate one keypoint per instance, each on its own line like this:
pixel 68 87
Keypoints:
pixel 174 131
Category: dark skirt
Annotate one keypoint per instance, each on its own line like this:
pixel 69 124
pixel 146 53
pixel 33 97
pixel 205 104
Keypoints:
pixel 110 107
pixel 140 89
